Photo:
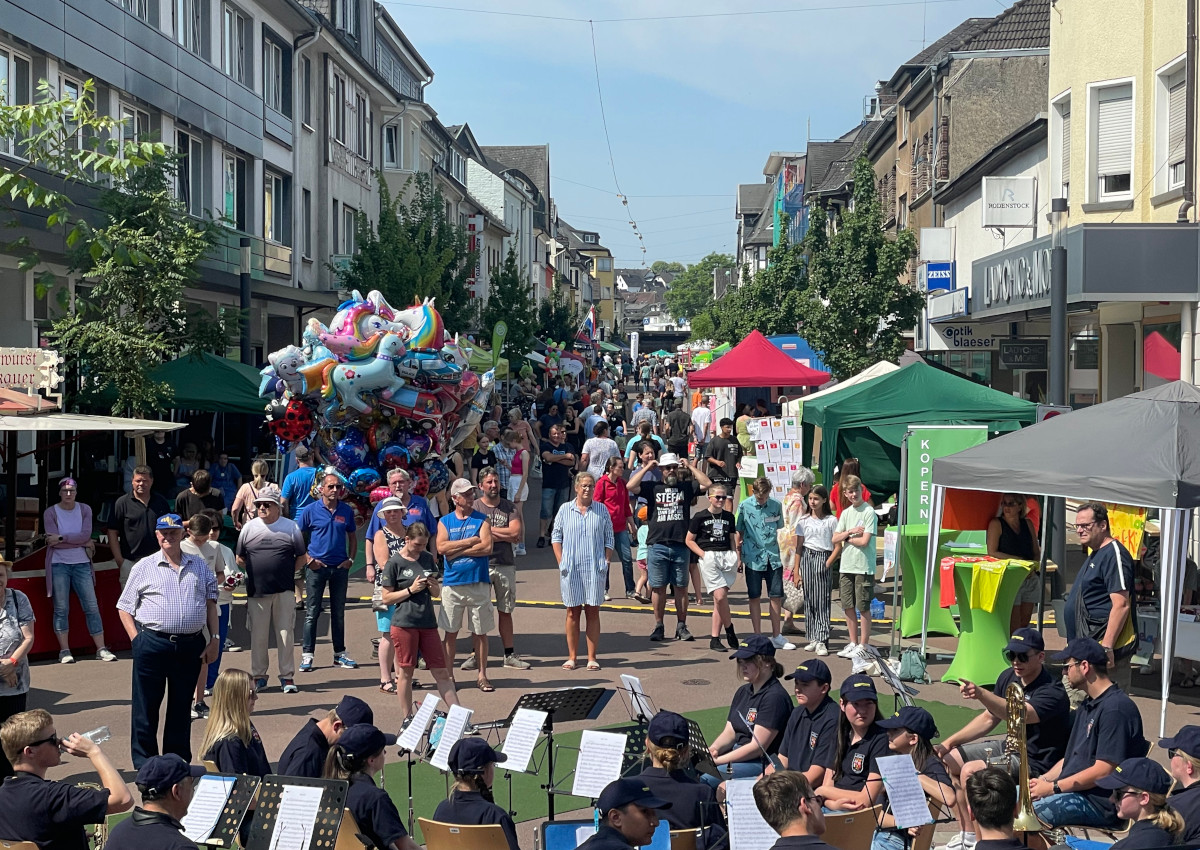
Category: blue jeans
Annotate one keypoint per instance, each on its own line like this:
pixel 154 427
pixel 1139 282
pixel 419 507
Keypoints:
pixel 734 770
pixel 554 498
pixel 667 563
pixel 621 542
pixel 886 839
pixel 1071 809
pixel 223 627
pixel 315 582
pixel 81 579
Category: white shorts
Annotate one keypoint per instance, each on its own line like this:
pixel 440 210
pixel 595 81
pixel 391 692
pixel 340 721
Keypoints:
pixel 718 569
pixel 472 601
pixel 518 488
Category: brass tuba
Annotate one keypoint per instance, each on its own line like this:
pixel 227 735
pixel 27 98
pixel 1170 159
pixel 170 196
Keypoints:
pixel 1014 745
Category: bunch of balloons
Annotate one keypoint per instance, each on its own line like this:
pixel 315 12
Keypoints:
pixel 377 389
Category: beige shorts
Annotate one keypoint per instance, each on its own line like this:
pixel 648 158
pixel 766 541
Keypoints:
pixel 474 601
pixel 857 591
pixel 518 488
pixel 718 569
pixel 504 582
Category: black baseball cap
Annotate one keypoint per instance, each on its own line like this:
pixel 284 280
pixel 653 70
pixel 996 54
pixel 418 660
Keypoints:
pixel 1186 739
pixel 913 718
pixel 665 726
pixel 1142 774
pixel 622 792
pixel 1026 640
pixel 364 740
pixel 159 774
pixel 814 670
pixel 353 711
pixel 858 687
pixel 473 755
pixel 755 645
pixel 1083 649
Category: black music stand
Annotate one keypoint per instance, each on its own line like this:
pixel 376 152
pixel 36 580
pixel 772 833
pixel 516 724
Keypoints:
pixel 702 760
pixel 329 818
pixel 562 707
pixel 225 833
pixel 422 753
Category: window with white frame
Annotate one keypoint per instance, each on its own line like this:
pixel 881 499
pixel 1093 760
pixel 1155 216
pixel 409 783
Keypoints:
pixel 233 178
pixel 362 136
pixel 235 44
pixel 391 146
pixel 277 208
pixel 16 79
pixel 189 25
pixel 1113 129
pixel 189 173
pixel 604 264
pixel 138 8
pixel 306 212
pixel 345 16
pixel 337 106
pixel 1172 129
pixel 348 215
pixel 274 76
pixel 134 126
pixel 1060 165
pixel 70 88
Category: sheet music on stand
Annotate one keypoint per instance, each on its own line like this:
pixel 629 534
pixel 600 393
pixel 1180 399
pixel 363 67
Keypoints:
pixel 522 737
pixel 287 811
pixel 600 757
pixel 747 828
pixel 638 704
pixel 457 721
pixel 904 691
pixel 905 795
pixel 410 739
pixel 218 807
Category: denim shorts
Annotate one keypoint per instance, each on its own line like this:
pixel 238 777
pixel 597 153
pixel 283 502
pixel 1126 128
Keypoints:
pixel 773 578
pixel 667 563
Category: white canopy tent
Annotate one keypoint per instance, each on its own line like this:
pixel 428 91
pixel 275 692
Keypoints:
pixel 796 406
pixel 1137 450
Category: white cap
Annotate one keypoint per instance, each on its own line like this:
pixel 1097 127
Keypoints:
pixel 668 459
pixel 461 485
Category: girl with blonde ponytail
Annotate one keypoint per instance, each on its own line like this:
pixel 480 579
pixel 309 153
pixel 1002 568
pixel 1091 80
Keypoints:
pixel 1140 789
pixel 693 804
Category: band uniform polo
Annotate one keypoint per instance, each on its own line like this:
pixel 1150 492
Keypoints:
pixel 861 760
pixel 469 808
pixel 373 809
pixel 1106 728
pixel 770 706
pixel 693 804
pixel 811 736
pixel 305 755
pixel 50 813
pixel 144 830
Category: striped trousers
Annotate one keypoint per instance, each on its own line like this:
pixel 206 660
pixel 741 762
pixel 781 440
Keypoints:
pixel 818 594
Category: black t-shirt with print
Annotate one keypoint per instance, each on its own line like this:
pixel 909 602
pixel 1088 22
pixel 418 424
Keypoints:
pixel 714 532
pixel 670 510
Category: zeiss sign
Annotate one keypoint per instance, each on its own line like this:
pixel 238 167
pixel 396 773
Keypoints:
pixel 939 276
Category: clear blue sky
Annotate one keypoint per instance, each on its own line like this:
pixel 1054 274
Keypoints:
pixel 694 105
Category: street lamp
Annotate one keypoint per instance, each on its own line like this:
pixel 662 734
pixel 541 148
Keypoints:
pixel 1056 508
pixel 244 281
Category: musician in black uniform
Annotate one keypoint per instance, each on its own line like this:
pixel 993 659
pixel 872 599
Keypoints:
pixel 628 816
pixel 358 755
pixel 1184 750
pixel 854 781
pixel 166 784
pixel 693 804
pixel 992 798
pixel 1139 786
pixel 810 737
pixel 473 763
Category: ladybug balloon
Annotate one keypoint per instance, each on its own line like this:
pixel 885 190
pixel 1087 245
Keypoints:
pixel 289 420
pixel 420 481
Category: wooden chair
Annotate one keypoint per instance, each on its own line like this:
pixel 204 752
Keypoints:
pixel 850 830
pixel 450 836
pixel 18 845
pixel 349 836
pixel 684 839
pixel 210 765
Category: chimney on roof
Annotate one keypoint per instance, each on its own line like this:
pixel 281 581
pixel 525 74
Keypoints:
pixel 872 108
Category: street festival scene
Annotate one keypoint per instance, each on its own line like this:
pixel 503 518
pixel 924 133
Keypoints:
pixel 352 497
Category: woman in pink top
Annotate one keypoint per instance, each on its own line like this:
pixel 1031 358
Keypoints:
pixel 612 493
pixel 69 550
pixel 518 482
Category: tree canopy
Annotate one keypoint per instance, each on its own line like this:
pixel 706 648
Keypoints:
pixel 510 299
pixel 691 292
pixel 557 318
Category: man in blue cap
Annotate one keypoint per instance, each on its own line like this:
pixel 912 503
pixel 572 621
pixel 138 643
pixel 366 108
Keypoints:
pixel 1184 751
pixel 166 784
pixel 167 604
pixel 1047 724
pixel 628 816
pixel 305 755
pixel 473 763
pixel 810 737
pixel 1107 730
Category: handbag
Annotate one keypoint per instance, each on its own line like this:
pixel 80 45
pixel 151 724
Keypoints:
pixel 793 597
pixel 377 603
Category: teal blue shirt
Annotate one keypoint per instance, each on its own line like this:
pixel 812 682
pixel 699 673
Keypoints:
pixel 759 526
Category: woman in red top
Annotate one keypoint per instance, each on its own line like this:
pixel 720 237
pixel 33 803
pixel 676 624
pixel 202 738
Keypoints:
pixel 850 466
pixel 611 492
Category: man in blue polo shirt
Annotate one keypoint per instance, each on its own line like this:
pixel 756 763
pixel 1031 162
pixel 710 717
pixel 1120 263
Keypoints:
pixel 416 510
pixel 1107 730
pixel 464 538
pixel 1100 604
pixel 328 526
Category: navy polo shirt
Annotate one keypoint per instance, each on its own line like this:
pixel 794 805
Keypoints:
pixel 770 707
pixel 468 808
pixel 800 842
pixel 693 804
pixel 1144 835
pixel 1045 741
pixel 327 531
pixel 1107 570
pixel 1107 728
pixel 49 813
pixel 861 760
pixel 305 755
pixel 373 809
pixel 1000 844
pixel 232 756
pixel 811 736
pixel 145 829
pixel 606 838
pixel 1186 801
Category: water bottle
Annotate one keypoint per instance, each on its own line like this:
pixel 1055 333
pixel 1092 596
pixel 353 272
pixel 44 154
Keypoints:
pixel 98 735
pixel 877 609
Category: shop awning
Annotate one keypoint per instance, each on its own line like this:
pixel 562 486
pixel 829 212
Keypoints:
pixel 84 422
pixel 608 346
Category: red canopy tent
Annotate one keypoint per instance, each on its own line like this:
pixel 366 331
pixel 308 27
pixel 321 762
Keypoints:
pixel 756 362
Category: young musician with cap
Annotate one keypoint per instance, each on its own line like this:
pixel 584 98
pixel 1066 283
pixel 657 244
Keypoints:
pixel 1107 730
pixel 357 756
pixel 1184 750
pixel 1140 788
pixel 810 738
pixel 787 802
pixel 1047 723
pixel 693 804
pixel 992 799
pixel 306 754
pixel 910 732
pixel 854 781
pixel 166 784
pixel 473 763
pixel 757 714
pixel 628 816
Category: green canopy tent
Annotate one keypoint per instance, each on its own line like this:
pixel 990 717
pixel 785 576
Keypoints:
pixel 869 420
pixel 206 382
pixel 662 352
pixel 721 350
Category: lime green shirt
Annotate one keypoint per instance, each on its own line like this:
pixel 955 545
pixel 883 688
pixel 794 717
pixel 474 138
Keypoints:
pixel 858 559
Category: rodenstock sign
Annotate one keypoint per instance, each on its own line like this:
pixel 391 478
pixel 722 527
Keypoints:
pixel 923 444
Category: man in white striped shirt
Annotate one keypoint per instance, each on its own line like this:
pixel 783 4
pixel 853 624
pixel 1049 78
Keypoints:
pixel 583 546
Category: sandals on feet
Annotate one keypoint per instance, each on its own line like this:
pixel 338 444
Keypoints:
pixel 484 685
pixel 593 666
pixel 569 665
pixel 387 687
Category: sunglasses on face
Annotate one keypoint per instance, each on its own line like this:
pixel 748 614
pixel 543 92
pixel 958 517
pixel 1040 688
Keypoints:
pixel 53 739
pixel 1016 656
pixel 1083 526
pixel 718 498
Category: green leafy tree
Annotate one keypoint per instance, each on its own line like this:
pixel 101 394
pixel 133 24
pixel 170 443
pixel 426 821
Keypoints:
pixel 510 299
pixel 704 326
pixel 769 302
pixel 557 318
pixel 414 251
pixel 858 307
pixel 661 266
pixel 691 293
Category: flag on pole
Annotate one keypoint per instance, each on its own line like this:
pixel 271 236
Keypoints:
pixel 587 331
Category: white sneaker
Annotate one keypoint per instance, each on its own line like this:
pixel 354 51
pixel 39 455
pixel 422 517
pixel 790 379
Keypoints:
pixel 810 646
pixel 519 549
pixel 958 842
pixel 847 651
pixel 821 649
pixel 781 642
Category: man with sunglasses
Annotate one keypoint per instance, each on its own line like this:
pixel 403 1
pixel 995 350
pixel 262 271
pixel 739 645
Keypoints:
pixel 1184 752
pixel 1100 604
pixel 53 814
pixel 329 527
pixel 1047 724
pixel 1106 731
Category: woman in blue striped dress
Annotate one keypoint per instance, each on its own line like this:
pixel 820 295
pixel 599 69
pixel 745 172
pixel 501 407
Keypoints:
pixel 583 545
